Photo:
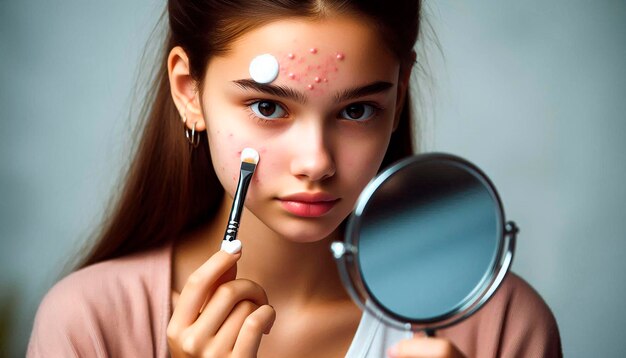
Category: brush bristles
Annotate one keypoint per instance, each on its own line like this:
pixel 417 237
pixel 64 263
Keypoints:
pixel 249 155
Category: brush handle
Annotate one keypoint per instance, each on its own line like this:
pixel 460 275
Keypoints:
pixel 247 170
pixel 231 231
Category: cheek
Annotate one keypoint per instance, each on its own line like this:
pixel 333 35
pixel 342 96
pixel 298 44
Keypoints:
pixel 269 165
pixel 226 148
pixel 362 159
pixel 226 151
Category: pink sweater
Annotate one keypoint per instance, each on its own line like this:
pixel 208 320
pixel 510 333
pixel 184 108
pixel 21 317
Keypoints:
pixel 121 307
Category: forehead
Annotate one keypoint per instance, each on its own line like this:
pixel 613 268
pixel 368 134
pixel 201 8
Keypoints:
pixel 313 54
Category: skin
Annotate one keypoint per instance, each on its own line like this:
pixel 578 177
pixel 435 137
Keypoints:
pixel 314 145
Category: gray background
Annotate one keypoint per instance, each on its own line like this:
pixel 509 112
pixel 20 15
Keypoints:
pixel 532 92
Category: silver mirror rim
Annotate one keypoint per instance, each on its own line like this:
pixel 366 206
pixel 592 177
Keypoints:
pixel 346 254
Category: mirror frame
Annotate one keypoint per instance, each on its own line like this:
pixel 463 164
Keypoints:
pixel 348 260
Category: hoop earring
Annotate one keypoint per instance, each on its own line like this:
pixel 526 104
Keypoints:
pixel 192 138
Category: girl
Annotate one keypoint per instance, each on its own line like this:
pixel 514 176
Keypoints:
pixel 326 109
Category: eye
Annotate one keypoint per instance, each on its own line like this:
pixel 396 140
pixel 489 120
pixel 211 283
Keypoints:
pixel 268 110
pixel 358 112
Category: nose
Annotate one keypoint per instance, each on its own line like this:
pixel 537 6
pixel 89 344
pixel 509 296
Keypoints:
pixel 312 156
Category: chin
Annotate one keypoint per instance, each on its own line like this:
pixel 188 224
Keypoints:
pixel 305 231
pixel 306 238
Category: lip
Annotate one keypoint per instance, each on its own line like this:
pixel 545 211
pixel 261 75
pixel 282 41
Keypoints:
pixel 308 204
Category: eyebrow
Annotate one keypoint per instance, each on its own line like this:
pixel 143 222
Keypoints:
pixel 275 90
pixel 372 88
pixel 286 92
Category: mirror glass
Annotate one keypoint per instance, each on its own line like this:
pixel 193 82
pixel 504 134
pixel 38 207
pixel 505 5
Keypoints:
pixel 425 242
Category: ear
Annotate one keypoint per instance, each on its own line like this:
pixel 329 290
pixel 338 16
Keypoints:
pixel 184 89
pixel 403 85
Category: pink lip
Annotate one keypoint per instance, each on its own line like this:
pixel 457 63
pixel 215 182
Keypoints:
pixel 308 204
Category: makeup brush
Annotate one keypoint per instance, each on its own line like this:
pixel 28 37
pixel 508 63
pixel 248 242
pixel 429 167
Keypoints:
pixel 249 160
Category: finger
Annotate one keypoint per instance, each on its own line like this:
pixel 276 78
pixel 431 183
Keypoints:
pixel 225 338
pixel 422 347
pixel 229 275
pixel 222 303
pixel 256 324
pixel 196 343
pixel 199 286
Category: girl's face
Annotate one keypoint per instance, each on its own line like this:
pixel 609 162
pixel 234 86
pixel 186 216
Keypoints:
pixel 321 127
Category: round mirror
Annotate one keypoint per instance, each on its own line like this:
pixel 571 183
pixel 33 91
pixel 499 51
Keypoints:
pixel 427 244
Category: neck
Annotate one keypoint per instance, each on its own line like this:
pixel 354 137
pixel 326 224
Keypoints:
pixel 291 273
pixel 299 272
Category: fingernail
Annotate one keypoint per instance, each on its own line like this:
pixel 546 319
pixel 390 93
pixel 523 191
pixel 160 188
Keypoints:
pixel 231 247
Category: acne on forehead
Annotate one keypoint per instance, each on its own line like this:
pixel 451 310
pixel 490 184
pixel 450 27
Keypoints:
pixel 306 68
pixel 311 68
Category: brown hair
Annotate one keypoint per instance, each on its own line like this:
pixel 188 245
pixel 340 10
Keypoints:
pixel 170 188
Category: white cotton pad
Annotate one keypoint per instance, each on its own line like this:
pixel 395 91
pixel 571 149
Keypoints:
pixel 264 68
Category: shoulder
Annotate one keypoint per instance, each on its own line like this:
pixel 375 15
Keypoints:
pixel 519 321
pixel 100 303
pixel 515 322
pixel 106 285
pixel 517 296
pixel 528 324
pixel 523 306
